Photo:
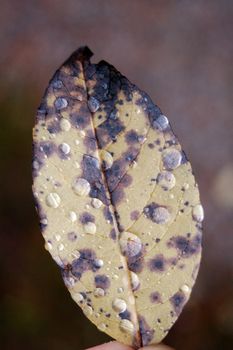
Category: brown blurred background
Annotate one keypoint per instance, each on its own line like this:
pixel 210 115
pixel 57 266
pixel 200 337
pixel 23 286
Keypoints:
pixel 180 52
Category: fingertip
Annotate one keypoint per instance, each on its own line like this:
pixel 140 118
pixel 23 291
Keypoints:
pixel 113 345
pixel 157 347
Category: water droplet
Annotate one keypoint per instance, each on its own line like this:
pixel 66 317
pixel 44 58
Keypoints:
pixel 161 122
pixel 81 187
pixel 198 213
pixel 96 203
pixel 119 305
pixel 126 326
pixel 90 228
pixel 65 148
pixel 53 200
pixel 60 103
pixel 166 180
pixel 93 104
pixel 171 158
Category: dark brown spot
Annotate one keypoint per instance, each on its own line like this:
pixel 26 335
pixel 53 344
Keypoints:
pixel 72 236
pixel 145 331
pixel 149 211
pixel 54 127
pixel 134 215
pixel 102 281
pixel 90 144
pixel 92 173
pixel 125 315
pixel 112 234
pixel 115 173
pixel 157 264
pixel 178 301
pixel 151 145
pixel 86 217
pixel 126 180
pixel 118 195
pixel 136 262
pixel 149 107
pixel 86 262
pixel 108 131
pixel 131 137
pixel 82 118
pixel 155 297
pixel 108 215
pixel 186 247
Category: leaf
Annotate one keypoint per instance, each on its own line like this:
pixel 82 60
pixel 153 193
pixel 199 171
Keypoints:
pixel 118 204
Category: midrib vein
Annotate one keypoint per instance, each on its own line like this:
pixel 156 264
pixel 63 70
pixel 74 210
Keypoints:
pixel 116 223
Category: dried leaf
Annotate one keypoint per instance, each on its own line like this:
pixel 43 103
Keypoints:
pixel 118 204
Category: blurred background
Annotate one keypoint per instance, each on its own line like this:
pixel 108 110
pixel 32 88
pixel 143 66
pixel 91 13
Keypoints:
pixel 180 52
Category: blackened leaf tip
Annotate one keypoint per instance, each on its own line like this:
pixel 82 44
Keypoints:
pixel 83 53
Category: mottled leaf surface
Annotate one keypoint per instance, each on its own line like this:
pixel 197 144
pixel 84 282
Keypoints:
pixel 118 204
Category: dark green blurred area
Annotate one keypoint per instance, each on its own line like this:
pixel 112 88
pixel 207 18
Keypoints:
pixel 180 52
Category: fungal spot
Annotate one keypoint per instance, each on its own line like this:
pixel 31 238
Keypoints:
pixel 186 247
pixel 44 148
pixel 93 104
pixel 54 127
pixel 72 236
pixel 60 103
pixel 131 137
pixel 126 180
pixel 108 215
pixel 117 195
pixel 92 173
pixel 161 123
pixel 177 301
pixel 157 264
pixel 85 262
pixel 86 218
pixel 171 158
pixel 112 234
pixel 102 281
pixel 130 244
pixel 166 180
pixel 134 215
pixel 156 213
pixel 198 213
pixel 81 119
pixel 108 131
pixel 145 331
pixel 155 297
pixel 119 305
pixel 125 315
pixel 81 187
pixel 126 326
pixel 53 200
pixel 90 143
